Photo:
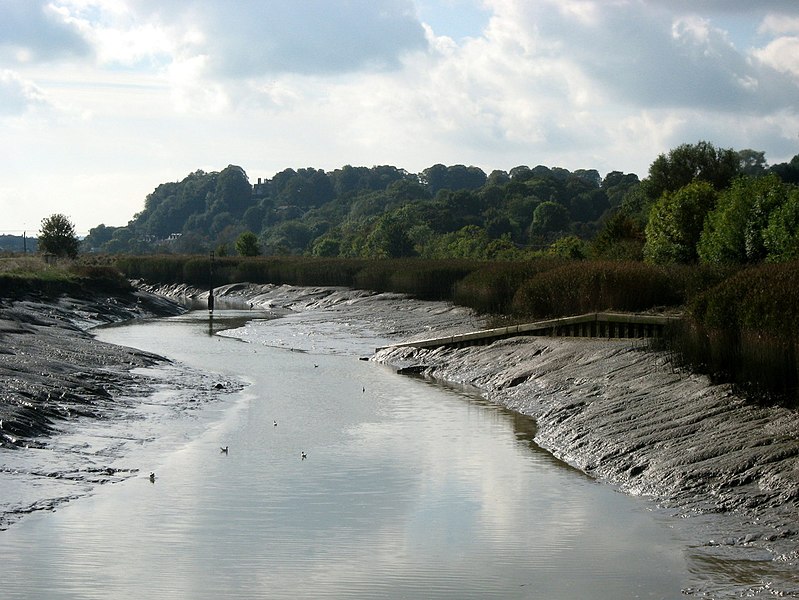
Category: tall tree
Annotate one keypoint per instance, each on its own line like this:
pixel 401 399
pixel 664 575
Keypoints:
pixel 781 237
pixel 57 236
pixel 549 217
pixel 247 244
pixel 684 164
pixel 675 223
pixel 733 232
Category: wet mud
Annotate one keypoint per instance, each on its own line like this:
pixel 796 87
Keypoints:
pixel 52 369
pixel 69 404
pixel 613 409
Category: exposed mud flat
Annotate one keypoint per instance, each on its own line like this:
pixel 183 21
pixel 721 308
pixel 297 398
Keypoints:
pixel 70 403
pixel 52 369
pixel 610 408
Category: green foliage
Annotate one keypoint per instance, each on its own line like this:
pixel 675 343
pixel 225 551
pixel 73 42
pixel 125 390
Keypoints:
pixel 247 244
pixel 458 212
pixel 620 238
pixel 570 247
pixel 675 224
pixel 233 191
pixel 57 236
pixel 390 239
pixel 689 162
pixel 549 217
pixel 734 231
pixel 781 236
pixel 788 172
pixel 492 287
pixel 31 274
pixel 368 212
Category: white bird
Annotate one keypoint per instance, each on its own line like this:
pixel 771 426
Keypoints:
pixel 274 423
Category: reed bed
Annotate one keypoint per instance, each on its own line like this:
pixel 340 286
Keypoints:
pixel 745 331
pixel 740 325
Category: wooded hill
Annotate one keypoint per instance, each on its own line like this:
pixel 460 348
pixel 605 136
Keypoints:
pixel 443 212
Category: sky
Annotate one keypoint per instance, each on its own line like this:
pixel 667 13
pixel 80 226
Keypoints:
pixel 103 100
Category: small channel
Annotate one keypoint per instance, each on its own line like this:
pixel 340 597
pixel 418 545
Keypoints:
pixel 408 490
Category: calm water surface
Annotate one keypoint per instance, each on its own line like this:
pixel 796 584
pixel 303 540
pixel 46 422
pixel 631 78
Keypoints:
pixel 409 490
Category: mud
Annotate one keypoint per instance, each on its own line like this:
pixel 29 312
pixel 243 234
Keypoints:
pixel 613 409
pixel 52 369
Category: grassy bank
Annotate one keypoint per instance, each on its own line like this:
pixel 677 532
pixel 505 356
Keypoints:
pixel 26 275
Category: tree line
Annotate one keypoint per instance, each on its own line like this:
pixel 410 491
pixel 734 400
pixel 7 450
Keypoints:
pixel 698 203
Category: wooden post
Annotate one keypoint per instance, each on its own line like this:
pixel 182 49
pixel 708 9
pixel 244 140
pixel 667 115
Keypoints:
pixel 211 283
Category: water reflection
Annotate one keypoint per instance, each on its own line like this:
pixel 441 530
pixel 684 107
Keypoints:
pixel 410 490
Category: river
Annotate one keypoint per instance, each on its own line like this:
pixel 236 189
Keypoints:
pixel 408 489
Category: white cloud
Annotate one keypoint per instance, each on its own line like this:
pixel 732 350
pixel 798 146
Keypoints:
pixel 18 96
pixel 779 24
pixel 36 30
pixel 169 86
pixel 782 55
pixel 258 37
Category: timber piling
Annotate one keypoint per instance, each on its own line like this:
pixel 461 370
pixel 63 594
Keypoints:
pixel 591 325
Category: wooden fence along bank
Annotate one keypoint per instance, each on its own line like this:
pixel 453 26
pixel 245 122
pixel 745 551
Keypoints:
pixel 592 325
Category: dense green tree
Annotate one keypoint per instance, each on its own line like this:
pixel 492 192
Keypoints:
pixel 254 217
pixel 781 236
pixel 306 188
pixel 291 236
pixel 675 223
pixel 617 185
pixel 620 238
pixel 734 229
pixel 247 244
pixel 521 173
pixel 688 162
pixel 569 246
pixel 328 245
pixel 98 237
pixel 549 217
pixel 788 172
pixel 497 178
pixel 453 178
pixel 390 239
pixel 753 162
pixel 57 236
pixel 233 192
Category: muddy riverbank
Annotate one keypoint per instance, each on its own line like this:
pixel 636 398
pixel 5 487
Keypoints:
pixel 617 411
pixel 610 408
pixel 52 369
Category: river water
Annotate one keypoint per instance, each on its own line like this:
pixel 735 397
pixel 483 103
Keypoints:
pixel 408 490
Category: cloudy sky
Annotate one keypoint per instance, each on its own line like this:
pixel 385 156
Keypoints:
pixel 102 100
